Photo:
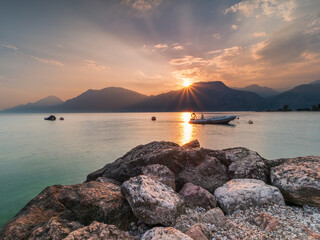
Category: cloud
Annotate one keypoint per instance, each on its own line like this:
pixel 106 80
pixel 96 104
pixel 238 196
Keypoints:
pixel 142 5
pixel 234 27
pixel 143 75
pixel 94 65
pixel 216 36
pixel 196 74
pixel 187 60
pixel 8 46
pixel 280 8
pixel 47 61
pixel 161 46
pixel 259 34
pixel 178 47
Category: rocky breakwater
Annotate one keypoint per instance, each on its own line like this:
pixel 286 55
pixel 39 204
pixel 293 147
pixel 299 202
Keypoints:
pixel 165 191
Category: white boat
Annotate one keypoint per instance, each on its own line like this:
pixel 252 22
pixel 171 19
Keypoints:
pixel 213 120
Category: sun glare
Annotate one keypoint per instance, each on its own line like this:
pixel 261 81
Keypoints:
pixel 187 83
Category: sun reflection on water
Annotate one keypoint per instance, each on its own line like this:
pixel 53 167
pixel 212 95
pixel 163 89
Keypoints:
pixel 186 130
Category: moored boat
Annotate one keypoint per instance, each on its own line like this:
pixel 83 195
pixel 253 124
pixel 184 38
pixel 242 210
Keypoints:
pixel 50 118
pixel 213 120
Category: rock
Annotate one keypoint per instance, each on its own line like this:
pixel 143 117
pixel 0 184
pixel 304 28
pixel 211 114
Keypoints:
pixel 108 180
pixel 168 233
pixel 246 164
pixel 199 231
pixel 189 164
pixel 244 193
pixel 37 212
pixel 95 201
pixel 83 203
pixel 160 173
pixel 214 216
pixel 299 180
pixel 209 174
pixel 265 221
pixel 55 229
pixel 151 201
pixel 185 221
pixel 99 231
pixel 192 144
pixel 194 196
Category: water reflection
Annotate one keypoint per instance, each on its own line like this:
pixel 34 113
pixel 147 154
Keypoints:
pixel 186 130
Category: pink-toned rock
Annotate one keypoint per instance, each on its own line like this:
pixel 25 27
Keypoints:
pixel 99 231
pixel 160 173
pixel 265 221
pixel 194 196
pixel 199 231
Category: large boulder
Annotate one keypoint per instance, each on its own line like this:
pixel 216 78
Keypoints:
pixel 55 229
pixel 152 201
pixel 37 212
pixel 209 174
pixel 189 163
pixel 99 231
pixel 77 204
pixel 196 196
pixel 160 173
pixel 245 193
pixel 299 180
pixel 96 201
pixel 245 163
pixel 161 233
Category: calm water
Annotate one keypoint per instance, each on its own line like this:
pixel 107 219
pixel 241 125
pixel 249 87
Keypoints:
pixel 35 153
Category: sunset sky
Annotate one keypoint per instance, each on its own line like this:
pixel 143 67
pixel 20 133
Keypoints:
pixel 65 47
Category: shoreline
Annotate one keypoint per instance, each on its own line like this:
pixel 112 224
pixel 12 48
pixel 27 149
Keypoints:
pixel 192 190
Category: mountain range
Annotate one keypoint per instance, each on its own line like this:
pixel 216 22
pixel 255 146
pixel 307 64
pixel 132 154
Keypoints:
pixel 200 96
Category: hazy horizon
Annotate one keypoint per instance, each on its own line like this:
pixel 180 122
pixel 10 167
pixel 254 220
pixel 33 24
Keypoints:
pixel 63 48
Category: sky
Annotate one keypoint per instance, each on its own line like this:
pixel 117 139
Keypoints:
pixel 65 47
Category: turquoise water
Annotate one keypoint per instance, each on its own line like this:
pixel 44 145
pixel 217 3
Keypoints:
pixel 35 153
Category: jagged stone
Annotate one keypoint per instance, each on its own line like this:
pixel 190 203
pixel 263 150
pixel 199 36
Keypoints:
pixel 160 173
pixel 214 216
pixel 194 196
pixel 168 233
pixel 199 231
pixel 152 201
pixel 299 180
pixel 245 193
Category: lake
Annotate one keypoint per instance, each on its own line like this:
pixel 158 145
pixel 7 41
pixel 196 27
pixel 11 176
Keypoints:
pixel 37 153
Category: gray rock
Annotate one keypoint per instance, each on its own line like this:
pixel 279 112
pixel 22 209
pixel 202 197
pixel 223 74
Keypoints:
pixel 209 174
pixel 299 180
pixel 160 173
pixel 189 163
pixel 151 201
pixel 245 193
pixel 214 216
pixel 246 164
pixel 192 144
pixel 185 221
pixel 99 231
pixel 108 180
pixel 168 233
pixel 194 196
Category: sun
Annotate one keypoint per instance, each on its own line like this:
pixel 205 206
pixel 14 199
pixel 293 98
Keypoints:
pixel 187 82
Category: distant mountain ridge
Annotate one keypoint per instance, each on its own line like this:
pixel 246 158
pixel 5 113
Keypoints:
pixel 200 96
pixel 262 91
pixel 38 106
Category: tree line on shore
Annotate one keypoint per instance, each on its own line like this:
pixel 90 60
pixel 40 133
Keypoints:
pixel 286 108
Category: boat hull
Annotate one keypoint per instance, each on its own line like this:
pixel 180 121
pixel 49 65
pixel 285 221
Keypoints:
pixel 215 120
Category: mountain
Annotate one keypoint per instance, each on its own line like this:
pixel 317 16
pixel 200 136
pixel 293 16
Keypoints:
pixel 111 99
pixel 262 91
pixel 202 96
pixel 38 106
pixel 316 82
pixel 301 96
